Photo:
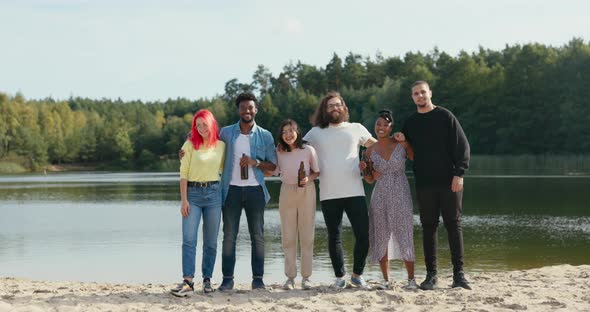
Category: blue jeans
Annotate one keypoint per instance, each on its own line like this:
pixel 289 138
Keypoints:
pixel 251 198
pixel 205 202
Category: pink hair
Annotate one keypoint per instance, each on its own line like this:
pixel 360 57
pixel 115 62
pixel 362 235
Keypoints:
pixel 209 119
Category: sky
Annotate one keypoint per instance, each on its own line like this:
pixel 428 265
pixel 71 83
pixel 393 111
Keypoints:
pixel 153 50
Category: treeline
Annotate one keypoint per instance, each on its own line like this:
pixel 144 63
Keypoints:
pixel 525 99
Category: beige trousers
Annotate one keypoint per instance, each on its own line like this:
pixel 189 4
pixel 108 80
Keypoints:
pixel 297 210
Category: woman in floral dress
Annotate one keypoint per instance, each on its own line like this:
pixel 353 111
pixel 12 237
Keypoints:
pixel 391 225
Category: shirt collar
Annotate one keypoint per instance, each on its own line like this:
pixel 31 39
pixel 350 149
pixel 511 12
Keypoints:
pixel 253 130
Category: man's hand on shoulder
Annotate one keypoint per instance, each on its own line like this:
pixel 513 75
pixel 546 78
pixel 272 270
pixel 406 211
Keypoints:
pixel 399 136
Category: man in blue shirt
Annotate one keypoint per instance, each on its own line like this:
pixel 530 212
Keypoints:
pixel 248 147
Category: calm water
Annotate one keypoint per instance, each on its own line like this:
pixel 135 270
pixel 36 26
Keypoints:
pixel 125 227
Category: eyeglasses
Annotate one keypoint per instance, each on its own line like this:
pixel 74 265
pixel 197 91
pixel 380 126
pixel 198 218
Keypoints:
pixel 334 105
pixel 289 131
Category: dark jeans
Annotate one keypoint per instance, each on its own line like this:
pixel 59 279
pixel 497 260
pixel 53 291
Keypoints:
pixel 251 198
pixel 357 213
pixel 433 202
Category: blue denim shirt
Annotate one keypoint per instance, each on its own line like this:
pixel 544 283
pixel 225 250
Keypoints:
pixel 262 147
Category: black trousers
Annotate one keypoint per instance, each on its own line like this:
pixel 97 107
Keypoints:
pixel 357 213
pixel 434 202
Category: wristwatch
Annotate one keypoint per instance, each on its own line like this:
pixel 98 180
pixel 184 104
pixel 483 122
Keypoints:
pixel 257 163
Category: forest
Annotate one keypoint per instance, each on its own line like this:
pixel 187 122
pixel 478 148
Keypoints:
pixel 529 99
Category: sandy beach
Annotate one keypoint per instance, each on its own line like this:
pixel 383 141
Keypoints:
pixel 555 288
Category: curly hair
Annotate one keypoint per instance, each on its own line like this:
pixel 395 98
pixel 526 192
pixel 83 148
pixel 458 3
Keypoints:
pixel 246 96
pixel 321 118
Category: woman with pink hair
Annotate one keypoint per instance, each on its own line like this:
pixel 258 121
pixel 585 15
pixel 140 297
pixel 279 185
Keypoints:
pixel 200 197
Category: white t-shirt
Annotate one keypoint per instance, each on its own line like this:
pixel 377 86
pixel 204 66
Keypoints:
pixel 337 148
pixel 242 146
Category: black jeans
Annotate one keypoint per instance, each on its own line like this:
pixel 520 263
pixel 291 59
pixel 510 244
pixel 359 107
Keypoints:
pixel 357 213
pixel 433 202
pixel 251 199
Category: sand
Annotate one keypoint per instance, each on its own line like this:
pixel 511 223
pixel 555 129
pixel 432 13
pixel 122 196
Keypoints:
pixel 554 288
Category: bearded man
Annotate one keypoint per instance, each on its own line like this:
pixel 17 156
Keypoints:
pixel 337 144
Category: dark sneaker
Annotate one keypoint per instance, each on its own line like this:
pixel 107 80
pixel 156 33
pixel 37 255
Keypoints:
pixel 226 284
pixel 183 289
pixel 429 282
pixel 460 281
pixel 257 283
pixel 178 287
pixel 207 286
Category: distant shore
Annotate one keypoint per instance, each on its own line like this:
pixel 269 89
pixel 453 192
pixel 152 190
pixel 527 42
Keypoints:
pixel 553 288
pixel 12 167
pixel 563 165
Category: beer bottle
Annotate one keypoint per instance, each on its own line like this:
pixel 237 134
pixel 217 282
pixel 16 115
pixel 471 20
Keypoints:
pixel 368 171
pixel 370 168
pixel 300 174
pixel 244 170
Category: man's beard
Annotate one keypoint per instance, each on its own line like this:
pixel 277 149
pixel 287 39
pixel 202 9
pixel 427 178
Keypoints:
pixel 336 120
pixel 246 121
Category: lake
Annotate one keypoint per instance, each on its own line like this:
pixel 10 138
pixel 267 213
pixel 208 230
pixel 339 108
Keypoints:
pixel 126 227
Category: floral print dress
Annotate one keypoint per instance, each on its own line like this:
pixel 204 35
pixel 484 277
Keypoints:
pixel 391 220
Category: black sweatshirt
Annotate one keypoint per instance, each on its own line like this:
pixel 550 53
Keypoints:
pixel 441 150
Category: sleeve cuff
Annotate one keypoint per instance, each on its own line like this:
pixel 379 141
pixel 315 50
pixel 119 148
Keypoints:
pixel 459 172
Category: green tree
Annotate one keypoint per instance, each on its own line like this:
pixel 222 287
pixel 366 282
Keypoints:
pixel 268 114
pixel 354 73
pixel 262 80
pixel 233 88
pixel 311 78
pixel 334 73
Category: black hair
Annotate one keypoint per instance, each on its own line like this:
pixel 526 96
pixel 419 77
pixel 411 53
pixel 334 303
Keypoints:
pixel 386 114
pixel 283 146
pixel 246 96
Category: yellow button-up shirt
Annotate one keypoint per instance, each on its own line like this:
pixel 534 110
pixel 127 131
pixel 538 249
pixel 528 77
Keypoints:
pixel 204 164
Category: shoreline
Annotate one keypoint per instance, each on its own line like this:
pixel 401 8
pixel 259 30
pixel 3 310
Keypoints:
pixel 552 288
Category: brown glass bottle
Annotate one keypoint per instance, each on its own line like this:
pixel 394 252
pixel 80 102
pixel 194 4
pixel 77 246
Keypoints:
pixel 300 174
pixel 244 170
pixel 368 171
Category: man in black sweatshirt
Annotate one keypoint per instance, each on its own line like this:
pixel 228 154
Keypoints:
pixel 441 158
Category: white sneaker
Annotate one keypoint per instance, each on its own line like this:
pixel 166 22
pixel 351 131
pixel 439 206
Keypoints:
pixel 289 284
pixel 359 282
pixel 412 284
pixel 339 283
pixel 384 285
pixel 306 284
